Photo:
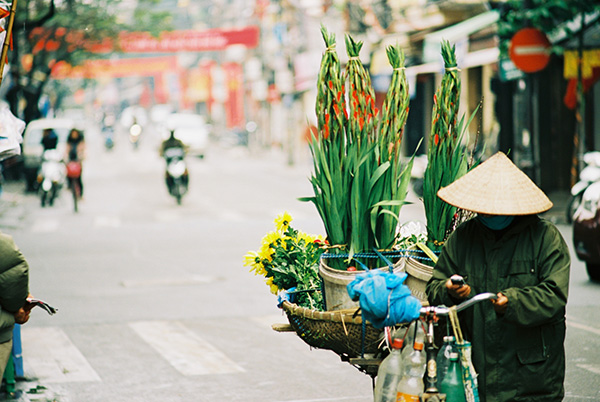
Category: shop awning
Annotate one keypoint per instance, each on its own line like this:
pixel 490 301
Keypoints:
pixel 455 33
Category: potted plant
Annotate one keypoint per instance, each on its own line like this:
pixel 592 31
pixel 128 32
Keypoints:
pixel 360 179
pixel 448 158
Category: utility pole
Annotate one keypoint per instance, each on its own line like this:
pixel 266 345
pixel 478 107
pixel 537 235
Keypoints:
pixel 579 137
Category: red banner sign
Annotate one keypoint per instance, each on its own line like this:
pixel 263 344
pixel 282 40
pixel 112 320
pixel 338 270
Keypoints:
pixel 147 66
pixel 182 41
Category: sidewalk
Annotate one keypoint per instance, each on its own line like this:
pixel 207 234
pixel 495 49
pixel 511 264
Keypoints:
pixel 558 213
pixel 12 210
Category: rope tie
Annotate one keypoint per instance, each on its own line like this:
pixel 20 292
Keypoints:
pixel 354 58
pixel 455 68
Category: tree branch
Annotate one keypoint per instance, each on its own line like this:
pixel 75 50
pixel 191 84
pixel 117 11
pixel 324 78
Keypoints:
pixel 29 26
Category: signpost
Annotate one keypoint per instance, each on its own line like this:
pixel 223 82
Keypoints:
pixel 530 50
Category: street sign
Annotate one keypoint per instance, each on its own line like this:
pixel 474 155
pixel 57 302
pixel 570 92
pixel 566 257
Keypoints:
pixel 530 50
pixel 508 71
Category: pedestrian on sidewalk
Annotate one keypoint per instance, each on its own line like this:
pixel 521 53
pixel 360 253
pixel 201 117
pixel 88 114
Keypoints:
pixel 517 340
pixel 14 290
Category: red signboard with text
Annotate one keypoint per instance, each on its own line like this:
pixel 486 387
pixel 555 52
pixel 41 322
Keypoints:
pixel 182 41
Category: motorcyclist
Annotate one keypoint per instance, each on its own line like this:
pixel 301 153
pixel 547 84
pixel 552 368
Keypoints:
pixel 170 143
pixel 76 151
pixel 49 139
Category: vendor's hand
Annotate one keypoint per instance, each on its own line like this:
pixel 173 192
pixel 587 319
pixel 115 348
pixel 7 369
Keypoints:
pixel 500 304
pixel 22 316
pixel 458 291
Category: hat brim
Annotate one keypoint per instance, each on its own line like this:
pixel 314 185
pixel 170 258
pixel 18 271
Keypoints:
pixel 496 187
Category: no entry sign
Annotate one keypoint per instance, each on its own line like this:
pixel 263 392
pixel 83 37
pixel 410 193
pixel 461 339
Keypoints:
pixel 530 50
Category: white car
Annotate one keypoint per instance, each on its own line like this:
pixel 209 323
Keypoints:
pixel 32 144
pixel 191 129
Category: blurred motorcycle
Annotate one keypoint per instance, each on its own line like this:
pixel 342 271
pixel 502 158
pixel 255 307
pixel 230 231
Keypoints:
pixel 51 177
pixel 589 174
pixel 176 172
pixel 109 141
pixel 135 131
pixel 586 230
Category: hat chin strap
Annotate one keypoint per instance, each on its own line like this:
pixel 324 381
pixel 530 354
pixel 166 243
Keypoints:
pixel 496 222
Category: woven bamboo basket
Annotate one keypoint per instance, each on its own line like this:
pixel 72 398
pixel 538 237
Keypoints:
pixel 340 331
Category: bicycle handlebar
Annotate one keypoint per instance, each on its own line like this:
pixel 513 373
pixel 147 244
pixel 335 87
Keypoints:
pixel 443 310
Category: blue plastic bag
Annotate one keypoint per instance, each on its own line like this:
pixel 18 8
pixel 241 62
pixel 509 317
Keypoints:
pixel 384 298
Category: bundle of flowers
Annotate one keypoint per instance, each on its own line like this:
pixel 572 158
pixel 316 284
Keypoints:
pixel 289 261
pixel 359 179
pixel 447 154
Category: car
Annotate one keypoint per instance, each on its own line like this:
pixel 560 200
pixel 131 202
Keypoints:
pixel 158 113
pixel 191 129
pixel 32 146
pixel 586 231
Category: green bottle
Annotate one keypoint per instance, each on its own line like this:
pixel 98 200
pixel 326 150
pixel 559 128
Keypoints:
pixel 452 385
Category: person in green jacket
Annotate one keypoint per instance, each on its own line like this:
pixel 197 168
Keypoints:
pixel 518 339
pixel 14 290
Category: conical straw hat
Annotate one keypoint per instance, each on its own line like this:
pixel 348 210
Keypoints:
pixel 496 187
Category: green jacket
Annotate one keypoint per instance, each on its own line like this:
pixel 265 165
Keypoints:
pixel 14 285
pixel 519 356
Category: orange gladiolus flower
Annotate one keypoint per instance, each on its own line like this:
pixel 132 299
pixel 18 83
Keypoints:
pixel 337 109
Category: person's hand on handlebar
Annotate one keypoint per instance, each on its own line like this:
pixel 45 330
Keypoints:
pixel 457 287
pixel 500 304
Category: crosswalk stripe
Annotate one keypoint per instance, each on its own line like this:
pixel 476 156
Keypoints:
pixel 107 221
pixel 584 327
pixel 183 349
pixel 53 357
pixel 45 226
pixel 594 368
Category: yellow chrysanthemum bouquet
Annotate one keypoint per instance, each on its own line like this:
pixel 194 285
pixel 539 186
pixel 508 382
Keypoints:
pixel 289 259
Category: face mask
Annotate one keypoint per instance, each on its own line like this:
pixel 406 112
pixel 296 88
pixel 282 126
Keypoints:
pixel 496 222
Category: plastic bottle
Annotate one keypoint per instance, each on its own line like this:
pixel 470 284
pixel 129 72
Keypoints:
pixel 413 333
pixel 389 374
pixel 411 385
pixel 453 385
pixel 443 358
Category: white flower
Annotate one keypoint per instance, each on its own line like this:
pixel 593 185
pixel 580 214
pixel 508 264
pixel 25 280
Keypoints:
pixel 412 228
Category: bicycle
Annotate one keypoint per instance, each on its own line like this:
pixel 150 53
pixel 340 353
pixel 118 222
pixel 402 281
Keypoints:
pixel 430 316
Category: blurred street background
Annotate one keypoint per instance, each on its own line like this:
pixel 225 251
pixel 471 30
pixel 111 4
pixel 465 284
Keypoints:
pixel 154 301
